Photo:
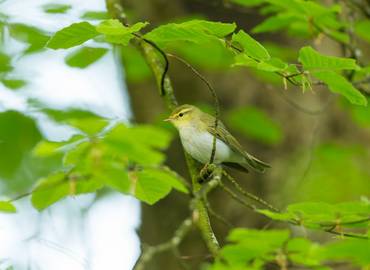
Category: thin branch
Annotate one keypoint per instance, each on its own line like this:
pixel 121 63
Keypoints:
pixel 150 52
pixel 217 216
pixel 354 222
pixel 236 198
pixel 248 194
pixel 150 251
pixel 166 64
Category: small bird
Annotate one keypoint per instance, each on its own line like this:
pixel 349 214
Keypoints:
pixel 197 130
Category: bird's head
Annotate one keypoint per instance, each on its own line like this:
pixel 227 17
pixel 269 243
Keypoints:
pixel 184 115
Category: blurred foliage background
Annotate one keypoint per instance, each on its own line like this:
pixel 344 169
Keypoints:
pixel 317 142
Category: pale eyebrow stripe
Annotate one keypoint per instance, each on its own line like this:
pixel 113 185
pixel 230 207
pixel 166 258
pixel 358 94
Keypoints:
pixel 184 111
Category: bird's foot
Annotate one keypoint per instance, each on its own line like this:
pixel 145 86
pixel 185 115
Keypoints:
pixel 206 172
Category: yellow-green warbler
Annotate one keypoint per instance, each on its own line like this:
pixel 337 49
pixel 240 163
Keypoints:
pixel 197 130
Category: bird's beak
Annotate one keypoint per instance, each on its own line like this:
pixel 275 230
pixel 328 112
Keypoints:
pixel 167 120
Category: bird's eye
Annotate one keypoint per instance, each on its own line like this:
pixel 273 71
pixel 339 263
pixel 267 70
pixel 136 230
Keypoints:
pixel 181 114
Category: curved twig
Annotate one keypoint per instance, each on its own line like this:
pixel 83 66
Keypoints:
pixel 215 99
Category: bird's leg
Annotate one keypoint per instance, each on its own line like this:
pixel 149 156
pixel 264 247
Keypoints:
pixel 206 172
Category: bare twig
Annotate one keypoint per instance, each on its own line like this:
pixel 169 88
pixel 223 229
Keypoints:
pixel 236 197
pixel 248 194
pixel 215 100
pixel 150 251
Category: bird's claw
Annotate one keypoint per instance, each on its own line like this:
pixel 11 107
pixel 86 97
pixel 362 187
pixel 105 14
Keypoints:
pixel 206 172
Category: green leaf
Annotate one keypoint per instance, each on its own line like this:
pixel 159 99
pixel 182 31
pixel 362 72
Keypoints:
pixel 277 216
pixel 18 135
pixel 73 35
pixel 85 56
pixel 49 148
pixel 271 65
pixel 211 55
pixel 77 154
pixel 328 214
pixel 5 62
pixel 116 28
pixel 139 144
pixel 302 251
pixel 151 185
pixel 59 185
pixel 35 37
pixel 314 61
pixel 95 15
pixel 116 177
pixel 70 113
pixel 273 238
pixel 255 124
pixel 360 115
pixel 56 8
pixel 339 84
pixel 117 33
pixel 250 46
pixel 362 29
pixel 248 245
pixel 14 83
pixel 249 3
pixel 275 23
pixel 7 207
pixel 355 250
pixel 196 31
pixel 86 121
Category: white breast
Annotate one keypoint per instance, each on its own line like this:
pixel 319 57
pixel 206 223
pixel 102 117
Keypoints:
pixel 199 146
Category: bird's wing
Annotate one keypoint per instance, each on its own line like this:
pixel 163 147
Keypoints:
pixel 225 136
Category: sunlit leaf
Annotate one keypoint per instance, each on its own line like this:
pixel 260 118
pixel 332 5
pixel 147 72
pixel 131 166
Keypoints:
pixel 86 121
pixel 355 250
pixel 7 207
pixel 137 143
pixel 35 37
pixel 18 135
pixel 117 33
pixel 5 62
pixel 250 46
pixel 275 23
pixel 49 148
pixel 196 31
pixel 302 251
pixel 56 8
pixel 211 55
pixel 248 245
pixel 151 185
pixel 270 65
pixel 314 61
pixel 14 83
pixel 60 185
pixel 248 3
pixel 116 28
pixel 339 84
pixel 95 15
pixel 70 113
pixel 73 35
pixel 116 177
pixel 85 56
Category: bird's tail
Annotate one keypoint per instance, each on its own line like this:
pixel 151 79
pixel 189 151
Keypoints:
pixel 255 163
